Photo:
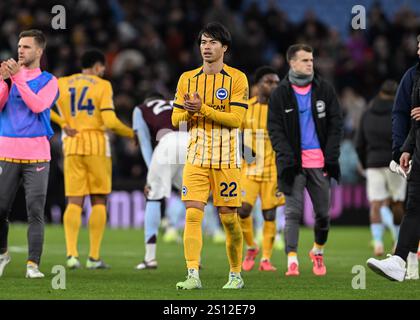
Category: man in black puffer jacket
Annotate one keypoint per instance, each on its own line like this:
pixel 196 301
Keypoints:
pixel 305 126
pixel 385 189
pixel 404 264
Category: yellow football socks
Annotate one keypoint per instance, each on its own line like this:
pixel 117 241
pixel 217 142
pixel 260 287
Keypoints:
pixel 31 263
pixel 72 220
pixel 248 231
pixel 269 233
pixel 318 248
pixel 193 239
pixel 292 258
pixel 234 238
pixel 97 224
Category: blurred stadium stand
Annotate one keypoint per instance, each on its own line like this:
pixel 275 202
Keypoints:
pixel 335 14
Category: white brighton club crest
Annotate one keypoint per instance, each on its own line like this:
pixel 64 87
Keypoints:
pixel 320 106
pixel 221 93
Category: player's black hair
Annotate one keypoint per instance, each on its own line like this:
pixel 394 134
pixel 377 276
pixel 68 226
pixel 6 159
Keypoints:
pixel 92 56
pixel 389 87
pixel 293 49
pixel 216 31
pixel 262 71
pixel 38 36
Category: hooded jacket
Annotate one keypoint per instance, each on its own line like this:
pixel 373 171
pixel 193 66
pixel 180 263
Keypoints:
pixel 374 137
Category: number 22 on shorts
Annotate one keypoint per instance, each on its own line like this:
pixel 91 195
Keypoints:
pixel 228 190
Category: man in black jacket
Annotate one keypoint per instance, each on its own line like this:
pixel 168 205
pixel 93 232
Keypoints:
pixel 385 190
pixel 408 98
pixel 305 126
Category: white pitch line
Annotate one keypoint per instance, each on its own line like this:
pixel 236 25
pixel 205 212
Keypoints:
pixel 17 249
pixel 47 251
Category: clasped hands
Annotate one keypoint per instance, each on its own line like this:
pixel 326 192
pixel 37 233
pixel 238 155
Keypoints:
pixel 192 103
pixel 9 68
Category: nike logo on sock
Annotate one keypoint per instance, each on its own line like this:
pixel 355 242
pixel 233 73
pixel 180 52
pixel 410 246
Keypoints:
pixel 38 169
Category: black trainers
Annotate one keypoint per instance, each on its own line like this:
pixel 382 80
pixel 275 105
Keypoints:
pixel 96 264
pixel 152 264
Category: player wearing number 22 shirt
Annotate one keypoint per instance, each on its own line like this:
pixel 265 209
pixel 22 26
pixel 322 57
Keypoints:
pixel 212 101
pixel 86 110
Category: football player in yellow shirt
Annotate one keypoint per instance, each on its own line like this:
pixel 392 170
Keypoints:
pixel 212 101
pixel 86 110
pixel 259 172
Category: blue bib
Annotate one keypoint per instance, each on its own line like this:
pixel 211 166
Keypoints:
pixel 18 121
pixel 308 135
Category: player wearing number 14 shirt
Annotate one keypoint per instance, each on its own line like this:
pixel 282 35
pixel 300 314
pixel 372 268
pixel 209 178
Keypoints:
pixel 86 110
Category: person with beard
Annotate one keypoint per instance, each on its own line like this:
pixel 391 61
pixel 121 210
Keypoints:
pixel 26 96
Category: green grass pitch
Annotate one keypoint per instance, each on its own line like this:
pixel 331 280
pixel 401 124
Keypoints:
pixel 123 249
